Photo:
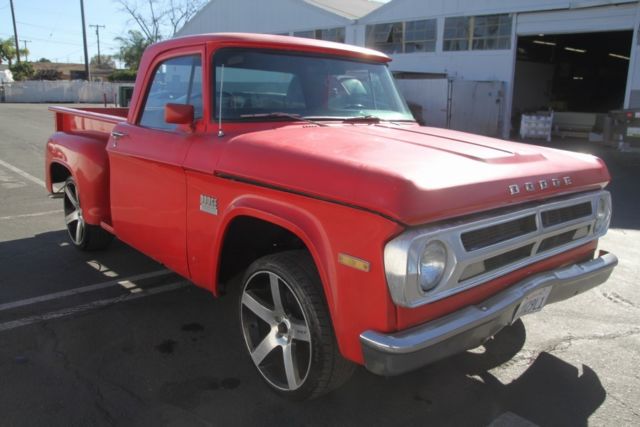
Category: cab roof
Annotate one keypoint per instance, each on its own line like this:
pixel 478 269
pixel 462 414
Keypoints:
pixel 268 41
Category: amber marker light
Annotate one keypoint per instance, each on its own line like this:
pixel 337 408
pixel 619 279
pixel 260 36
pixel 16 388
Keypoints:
pixel 353 262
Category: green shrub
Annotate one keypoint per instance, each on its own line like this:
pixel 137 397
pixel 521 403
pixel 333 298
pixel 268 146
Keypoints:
pixel 22 71
pixel 123 76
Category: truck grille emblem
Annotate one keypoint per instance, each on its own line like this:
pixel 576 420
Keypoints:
pixel 208 204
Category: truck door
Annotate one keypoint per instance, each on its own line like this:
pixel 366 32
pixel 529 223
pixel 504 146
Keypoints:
pixel 148 184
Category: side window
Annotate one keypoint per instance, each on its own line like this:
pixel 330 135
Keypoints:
pixel 178 81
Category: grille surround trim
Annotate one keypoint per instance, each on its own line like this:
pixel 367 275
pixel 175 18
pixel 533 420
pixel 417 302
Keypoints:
pixel 402 254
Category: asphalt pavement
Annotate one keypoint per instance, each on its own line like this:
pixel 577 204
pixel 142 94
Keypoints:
pixel 112 338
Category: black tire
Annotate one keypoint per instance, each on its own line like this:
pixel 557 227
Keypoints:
pixel 304 332
pixel 86 237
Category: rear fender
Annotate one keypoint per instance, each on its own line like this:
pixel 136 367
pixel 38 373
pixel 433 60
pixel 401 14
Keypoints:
pixel 85 157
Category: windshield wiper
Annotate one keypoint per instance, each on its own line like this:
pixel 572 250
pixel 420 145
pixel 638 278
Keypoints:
pixel 363 119
pixel 277 115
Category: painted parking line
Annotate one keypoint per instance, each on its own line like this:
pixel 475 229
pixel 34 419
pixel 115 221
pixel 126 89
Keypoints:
pixel 81 290
pixel 23 174
pixel 90 306
pixel 31 215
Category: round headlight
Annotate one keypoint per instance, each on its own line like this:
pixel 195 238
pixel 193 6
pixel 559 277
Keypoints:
pixel 432 265
pixel 603 215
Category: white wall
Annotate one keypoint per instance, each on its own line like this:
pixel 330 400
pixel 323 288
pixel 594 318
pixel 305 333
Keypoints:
pixel 529 17
pixel 612 18
pixel 632 96
pixel 416 9
pixel 62 91
pixel 273 16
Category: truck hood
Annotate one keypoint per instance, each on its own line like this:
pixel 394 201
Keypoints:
pixel 408 173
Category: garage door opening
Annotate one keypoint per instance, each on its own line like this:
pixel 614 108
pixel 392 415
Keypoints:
pixel 581 76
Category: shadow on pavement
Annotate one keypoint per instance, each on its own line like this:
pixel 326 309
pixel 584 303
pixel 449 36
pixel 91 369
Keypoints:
pixel 458 391
pixel 463 391
pixel 47 263
pixel 178 359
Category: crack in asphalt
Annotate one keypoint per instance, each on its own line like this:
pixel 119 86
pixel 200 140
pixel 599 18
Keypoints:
pixel 563 344
pixel 624 405
pixel 82 379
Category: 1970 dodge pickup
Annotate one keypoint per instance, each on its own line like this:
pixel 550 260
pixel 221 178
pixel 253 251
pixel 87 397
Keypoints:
pixel 363 238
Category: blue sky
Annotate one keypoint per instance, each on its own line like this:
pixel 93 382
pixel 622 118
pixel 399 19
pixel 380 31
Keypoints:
pixel 55 29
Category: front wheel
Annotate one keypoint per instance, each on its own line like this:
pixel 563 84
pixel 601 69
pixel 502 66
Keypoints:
pixel 84 236
pixel 287 328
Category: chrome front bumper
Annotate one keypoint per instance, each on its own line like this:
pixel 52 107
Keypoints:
pixel 396 353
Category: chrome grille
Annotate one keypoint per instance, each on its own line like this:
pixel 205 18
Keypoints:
pixel 566 214
pixel 490 245
pixel 563 238
pixel 546 228
pixel 488 236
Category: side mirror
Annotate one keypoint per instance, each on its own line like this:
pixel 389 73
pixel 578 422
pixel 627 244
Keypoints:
pixel 179 114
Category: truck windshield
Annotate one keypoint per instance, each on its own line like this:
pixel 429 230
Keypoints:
pixel 259 85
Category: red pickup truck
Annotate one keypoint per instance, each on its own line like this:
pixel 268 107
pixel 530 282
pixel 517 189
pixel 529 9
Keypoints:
pixel 362 237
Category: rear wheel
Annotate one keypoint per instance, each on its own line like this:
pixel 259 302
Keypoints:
pixel 84 236
pixel 287 329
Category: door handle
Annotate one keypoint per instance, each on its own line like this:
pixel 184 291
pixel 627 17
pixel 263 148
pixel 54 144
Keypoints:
pixel 116 135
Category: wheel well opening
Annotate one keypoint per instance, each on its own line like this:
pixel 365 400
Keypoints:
pixel 248 239
pixel 59 173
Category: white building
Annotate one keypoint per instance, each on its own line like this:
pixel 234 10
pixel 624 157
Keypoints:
pixel 495 57
pixel 327 19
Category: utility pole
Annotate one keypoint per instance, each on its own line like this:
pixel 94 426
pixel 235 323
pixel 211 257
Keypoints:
pixel 97 27
pixel 84 39
pixel 15 31
pixel 26 51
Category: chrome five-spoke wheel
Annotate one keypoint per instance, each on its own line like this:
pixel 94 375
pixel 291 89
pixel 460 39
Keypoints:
pixel 276 330
pixel 73 213
pixel 287 329
pixel 84 236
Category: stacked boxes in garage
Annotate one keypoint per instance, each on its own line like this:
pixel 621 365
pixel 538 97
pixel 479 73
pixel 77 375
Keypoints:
pixel 536 125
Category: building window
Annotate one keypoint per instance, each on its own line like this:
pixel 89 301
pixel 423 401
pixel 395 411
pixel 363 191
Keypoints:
pixel 456 33
pixel 329 34
pixel 420 36
pixel 311 34
pixel 477 32
pixel 492 32
pixel 403 37
pixel 386 38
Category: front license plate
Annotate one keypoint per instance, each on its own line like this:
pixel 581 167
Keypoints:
pixel 532 302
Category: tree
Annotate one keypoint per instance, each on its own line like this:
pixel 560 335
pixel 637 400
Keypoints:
pixel 106 61
pixel 22 71
pixel 44 60
pixel 158 19
pixel 8 50
pixel 47 74
pixel 131 48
